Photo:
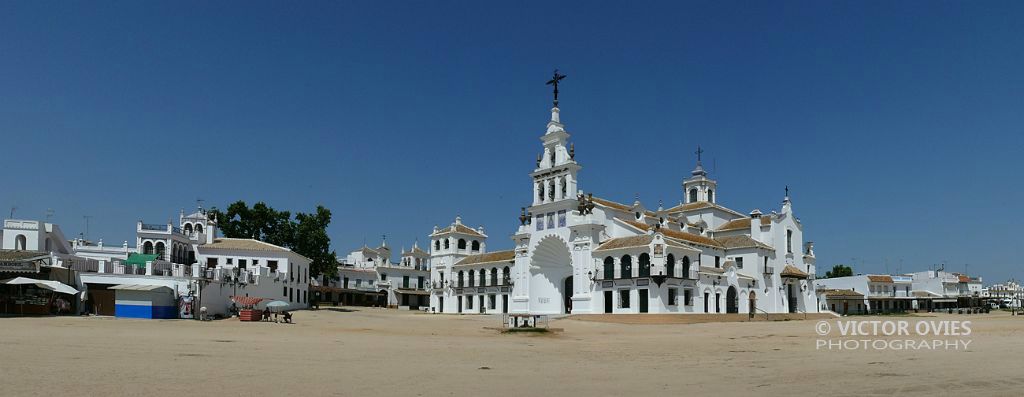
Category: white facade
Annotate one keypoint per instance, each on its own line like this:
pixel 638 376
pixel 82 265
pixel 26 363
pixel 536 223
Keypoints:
pixel 575 253
pixel 370 271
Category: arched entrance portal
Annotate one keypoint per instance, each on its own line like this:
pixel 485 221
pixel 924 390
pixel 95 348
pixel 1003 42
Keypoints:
pixel 550 277
pixel 731 301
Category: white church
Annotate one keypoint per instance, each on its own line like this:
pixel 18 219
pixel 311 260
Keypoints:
pixel 576 253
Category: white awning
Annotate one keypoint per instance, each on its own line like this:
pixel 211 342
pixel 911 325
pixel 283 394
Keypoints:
pixel 55 286
pixel 138 287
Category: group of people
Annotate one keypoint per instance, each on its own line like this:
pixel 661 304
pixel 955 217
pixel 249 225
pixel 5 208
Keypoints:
pixel 287 316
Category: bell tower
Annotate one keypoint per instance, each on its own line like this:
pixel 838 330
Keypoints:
pixel 699 188
pixel 554 179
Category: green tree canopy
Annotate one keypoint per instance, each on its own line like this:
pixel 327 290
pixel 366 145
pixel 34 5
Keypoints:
pixel 306 234
pixel 839 271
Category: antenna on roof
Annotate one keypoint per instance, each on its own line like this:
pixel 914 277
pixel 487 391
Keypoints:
pixel 12 211
pixel 49 213
pixel 87 217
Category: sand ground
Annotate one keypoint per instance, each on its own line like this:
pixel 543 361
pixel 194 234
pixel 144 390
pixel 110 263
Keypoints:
pixel 376 352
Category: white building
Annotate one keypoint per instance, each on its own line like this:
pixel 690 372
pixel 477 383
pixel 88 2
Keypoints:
pixel 368 277
pixel 186 260
pixel 881 293
pixel 582 254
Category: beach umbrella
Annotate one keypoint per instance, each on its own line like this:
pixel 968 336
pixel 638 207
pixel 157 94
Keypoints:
pixel 276 304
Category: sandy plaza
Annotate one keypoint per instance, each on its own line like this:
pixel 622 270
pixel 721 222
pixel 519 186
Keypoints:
pixel 360 351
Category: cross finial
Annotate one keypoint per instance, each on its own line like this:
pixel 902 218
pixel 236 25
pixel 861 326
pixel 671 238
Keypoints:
pixel 787 190
pixel 699 152
pixel 554 82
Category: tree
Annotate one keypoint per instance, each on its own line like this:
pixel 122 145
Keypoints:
pixel 839 271
pixel 306 235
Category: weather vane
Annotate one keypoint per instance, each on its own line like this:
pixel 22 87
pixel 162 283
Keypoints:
pixel 554 82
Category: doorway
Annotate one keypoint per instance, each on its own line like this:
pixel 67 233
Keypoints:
pixel 609 305
pixel 567 295
pixel 440 304
pixel 732 302
pixel 460 305
pixel 504 303
pixel 643 300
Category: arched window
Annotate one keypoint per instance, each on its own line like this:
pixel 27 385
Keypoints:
pixel 552 157
pixel 187 229
pixel 711 195
pixel 686 267
pixel 462 244
pixel 160 250
pixel 506 276
pixel 494 276
pixel 437 245
pixel 447 243
pixel 626 267
pixel 475 245
pixel 564 187
pixel 20 242
pixel 551 188
pixel 147 248
pixel 670 265
pixel 471 283
pixel 789 241
pixel 483 277
pixel 609 268
pixel 461 279
pixel 199 228
pixel 540 191
pixel 645 265
pixel 693 195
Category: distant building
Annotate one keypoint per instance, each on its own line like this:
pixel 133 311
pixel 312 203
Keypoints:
pixel 368 277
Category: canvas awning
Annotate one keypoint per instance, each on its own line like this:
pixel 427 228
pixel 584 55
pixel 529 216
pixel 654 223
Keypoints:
pixel 411 291
pixel 139 260
pixel 55 286
pixel 138 287
pixel 247 300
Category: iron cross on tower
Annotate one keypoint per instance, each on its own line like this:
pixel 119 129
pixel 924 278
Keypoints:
pixel 554 82
pixel 699 152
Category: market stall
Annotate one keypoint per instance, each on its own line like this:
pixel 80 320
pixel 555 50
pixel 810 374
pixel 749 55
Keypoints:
pixel 26 296
pixel 247 307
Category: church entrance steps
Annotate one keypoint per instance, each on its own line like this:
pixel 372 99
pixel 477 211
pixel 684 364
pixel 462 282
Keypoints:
pixel 695 318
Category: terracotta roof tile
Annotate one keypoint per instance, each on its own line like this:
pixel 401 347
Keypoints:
pixel 792 271
pixel 736 224
pixel 698 206
pixel 496 256
pixel 880 279
pixel 612 204
pixel 459 228
pixel 624 242
pixel 841 293
pixel 243 244
pixel 21 255
pixel 742 241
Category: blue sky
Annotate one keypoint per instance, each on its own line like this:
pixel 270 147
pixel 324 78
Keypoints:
pixel 897 125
